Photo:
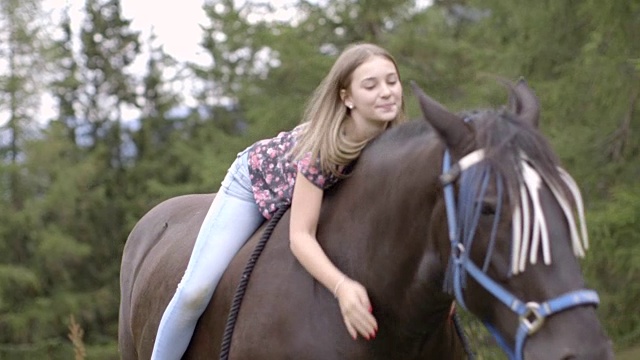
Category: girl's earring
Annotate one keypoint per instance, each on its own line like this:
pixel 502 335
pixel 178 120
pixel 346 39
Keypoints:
pixel 350 106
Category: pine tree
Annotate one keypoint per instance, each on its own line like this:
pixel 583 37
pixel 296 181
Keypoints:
pixel 66 83
pixel 20 41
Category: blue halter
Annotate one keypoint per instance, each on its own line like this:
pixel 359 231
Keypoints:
pixel 531 314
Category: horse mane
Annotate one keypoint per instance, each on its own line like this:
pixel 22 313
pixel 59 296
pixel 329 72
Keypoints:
pixel 502 136
pixel 505 139
pixel 521 160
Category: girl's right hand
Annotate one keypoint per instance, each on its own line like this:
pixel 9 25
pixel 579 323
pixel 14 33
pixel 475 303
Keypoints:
pixel 356 309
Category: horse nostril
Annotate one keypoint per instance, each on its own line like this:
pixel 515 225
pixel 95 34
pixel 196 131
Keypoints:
pixel 569 357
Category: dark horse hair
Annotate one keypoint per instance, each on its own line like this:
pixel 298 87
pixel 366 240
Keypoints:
pixel 386 225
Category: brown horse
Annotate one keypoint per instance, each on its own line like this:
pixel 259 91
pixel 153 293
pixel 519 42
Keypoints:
pixel 394 227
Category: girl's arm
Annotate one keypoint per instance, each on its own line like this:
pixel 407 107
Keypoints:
pixel 352 296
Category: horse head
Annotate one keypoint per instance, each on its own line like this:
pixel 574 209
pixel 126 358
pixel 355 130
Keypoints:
pixel 515 227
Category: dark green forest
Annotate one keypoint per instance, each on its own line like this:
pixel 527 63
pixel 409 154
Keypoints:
pixel 73 186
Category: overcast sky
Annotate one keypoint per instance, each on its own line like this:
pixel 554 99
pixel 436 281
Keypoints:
pixel 175 23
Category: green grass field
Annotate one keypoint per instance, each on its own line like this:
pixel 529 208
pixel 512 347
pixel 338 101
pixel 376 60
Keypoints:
pixel 632 353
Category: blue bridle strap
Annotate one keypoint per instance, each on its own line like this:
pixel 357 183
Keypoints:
pixel 531 314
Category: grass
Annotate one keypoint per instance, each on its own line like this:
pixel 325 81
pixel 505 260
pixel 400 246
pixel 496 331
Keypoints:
pixel 75 335
pixel 632 353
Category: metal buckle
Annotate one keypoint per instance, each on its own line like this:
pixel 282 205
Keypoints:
pixel 457 251
pixel 531 319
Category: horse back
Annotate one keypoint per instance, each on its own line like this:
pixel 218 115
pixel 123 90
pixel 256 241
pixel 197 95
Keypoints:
pixel 154 258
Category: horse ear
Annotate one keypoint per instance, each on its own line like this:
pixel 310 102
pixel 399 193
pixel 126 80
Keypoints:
pixel 451 127
pixel 523 102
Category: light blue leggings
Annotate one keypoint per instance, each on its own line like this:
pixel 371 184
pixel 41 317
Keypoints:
pixel 230 221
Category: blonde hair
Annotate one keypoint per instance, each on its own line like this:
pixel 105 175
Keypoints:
pixel 322 134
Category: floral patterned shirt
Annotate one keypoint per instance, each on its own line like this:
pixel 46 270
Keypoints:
pixel 273 171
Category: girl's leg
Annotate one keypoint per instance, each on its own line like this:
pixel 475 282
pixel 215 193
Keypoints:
pixel 232 218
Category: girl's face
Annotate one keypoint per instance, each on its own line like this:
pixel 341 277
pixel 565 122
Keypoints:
pixel 375 93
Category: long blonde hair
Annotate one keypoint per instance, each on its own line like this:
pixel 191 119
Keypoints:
pixel 322 134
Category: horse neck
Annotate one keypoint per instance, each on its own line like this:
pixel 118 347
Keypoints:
pixel 384 214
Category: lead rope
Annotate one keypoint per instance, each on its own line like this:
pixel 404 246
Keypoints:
pixel 244 281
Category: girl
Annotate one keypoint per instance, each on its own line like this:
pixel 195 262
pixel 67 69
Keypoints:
pixel 359 99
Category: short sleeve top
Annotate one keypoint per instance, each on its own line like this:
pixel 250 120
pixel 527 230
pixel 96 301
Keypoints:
pixel 273 171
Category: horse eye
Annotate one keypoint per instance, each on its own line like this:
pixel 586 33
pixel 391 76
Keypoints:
pixel 488 208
